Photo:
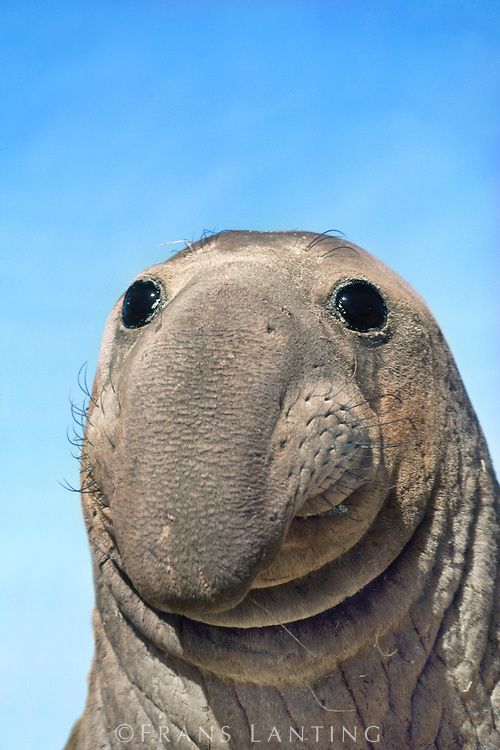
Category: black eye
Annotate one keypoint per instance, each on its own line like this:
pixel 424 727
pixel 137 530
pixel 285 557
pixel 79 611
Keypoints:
pixel 141 302
pixel 360 306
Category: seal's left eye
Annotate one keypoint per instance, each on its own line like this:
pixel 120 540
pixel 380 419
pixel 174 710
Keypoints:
pixel 360 306
pixel 141 302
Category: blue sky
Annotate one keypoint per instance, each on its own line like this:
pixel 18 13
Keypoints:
pixel 128 124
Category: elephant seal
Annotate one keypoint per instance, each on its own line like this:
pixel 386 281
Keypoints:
pixel 291 511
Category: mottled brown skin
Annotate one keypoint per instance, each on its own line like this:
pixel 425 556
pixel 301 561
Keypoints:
pixel 292 524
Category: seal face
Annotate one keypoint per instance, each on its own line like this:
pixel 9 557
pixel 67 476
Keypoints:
pixel 280 467
pixel 266 376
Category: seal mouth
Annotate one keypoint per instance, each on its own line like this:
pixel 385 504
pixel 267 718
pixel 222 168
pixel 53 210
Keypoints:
pixel 332 519
pixel 325 558
pixel 324 504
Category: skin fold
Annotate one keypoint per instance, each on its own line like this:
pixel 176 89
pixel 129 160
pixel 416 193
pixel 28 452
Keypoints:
pixel 293 523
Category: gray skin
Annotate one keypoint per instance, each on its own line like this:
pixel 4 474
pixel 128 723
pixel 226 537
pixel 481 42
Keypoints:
pixel 292 523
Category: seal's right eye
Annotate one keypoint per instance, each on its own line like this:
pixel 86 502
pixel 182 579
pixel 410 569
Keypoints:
pixel 141 303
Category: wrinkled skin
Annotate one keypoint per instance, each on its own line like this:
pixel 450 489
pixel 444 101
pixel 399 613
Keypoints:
pixel 292 523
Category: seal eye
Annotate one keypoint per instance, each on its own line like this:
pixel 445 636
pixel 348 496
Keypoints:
pixel 361 306
pixel 141 302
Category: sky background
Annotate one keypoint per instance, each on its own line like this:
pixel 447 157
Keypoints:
pixel 124 125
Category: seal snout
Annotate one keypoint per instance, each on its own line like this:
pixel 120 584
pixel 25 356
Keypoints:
pixel 195 517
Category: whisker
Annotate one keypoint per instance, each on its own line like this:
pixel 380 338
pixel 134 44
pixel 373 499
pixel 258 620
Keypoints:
pixel 339 511
pixel 188 245
pixel 367 480
pixel 389 421
pixel 206 235
pixel 324 236
pixel 83 384
pixel 333 710
pixel 337 248
pixel 111 379
pixel 377 646
pixel 380 445
pixel 336 509
pixel 67 486
pixel 112 444
pixel 76 441
pixel 297 640
pixel 395 396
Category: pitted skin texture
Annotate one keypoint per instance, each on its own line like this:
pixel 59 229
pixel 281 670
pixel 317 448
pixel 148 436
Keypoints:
pixel 293 524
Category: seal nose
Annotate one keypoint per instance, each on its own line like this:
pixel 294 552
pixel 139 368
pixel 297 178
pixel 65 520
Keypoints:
pixel 194 518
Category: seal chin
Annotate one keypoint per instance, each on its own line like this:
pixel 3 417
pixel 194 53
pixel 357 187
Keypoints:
pixel 192 594
pixel 196 608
